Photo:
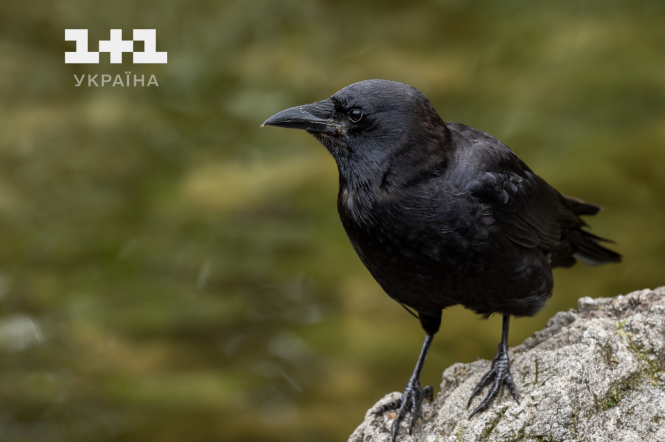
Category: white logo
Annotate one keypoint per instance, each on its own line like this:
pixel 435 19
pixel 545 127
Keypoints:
pixel 115 46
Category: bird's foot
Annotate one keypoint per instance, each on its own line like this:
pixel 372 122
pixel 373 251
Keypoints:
pixel 497 376
pixel 411 400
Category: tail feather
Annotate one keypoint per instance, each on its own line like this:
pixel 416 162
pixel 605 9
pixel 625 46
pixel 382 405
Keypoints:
pixel 588 250
pixel 581 207
pixel 580 244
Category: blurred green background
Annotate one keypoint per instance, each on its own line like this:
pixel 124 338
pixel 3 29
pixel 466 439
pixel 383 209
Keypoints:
pixel 170 272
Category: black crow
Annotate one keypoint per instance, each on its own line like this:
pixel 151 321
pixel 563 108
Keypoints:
pixel 443 214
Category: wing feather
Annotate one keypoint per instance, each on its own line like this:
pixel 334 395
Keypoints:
pixel 526 208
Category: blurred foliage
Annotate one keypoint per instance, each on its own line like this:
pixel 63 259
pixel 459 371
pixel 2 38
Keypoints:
pixel 169 271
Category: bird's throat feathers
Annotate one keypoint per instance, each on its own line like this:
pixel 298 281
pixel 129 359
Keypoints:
pixel 372 177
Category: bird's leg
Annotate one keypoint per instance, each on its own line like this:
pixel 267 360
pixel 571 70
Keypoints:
pixel 413 395
pixel 498 375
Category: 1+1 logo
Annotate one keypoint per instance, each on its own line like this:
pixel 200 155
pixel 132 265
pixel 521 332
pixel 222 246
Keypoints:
pixel 115 47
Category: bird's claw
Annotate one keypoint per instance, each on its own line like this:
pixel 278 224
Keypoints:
pixel 411 400
pixel 498 376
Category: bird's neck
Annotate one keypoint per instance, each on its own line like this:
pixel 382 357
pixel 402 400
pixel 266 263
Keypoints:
pixel 371 179
pixel 366 193
pixel 358 196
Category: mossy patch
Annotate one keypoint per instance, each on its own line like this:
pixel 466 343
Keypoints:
pixel 459 434
pixel 652 367
pixel 492 424
pixel 617 392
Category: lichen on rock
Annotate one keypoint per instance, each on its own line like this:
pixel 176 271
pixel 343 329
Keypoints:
pixel 593 374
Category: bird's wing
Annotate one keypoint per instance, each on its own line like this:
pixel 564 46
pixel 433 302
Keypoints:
pixel 529 211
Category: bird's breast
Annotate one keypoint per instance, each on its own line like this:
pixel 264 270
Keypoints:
pixel 442 229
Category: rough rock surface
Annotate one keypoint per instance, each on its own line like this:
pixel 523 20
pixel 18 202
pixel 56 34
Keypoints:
pixel 593 374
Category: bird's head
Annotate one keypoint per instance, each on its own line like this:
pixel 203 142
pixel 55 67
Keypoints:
pixel 370 125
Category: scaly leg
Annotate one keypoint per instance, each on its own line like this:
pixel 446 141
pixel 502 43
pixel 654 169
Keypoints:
pixel 498 375
pixel 413 395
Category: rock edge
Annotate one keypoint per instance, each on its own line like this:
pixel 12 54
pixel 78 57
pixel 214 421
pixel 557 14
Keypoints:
pixel 593 374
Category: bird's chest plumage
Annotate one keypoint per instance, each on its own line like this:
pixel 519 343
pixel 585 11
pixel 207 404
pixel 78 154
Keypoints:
pixel 422 246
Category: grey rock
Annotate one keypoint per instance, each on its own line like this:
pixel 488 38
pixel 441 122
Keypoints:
pixel 593 374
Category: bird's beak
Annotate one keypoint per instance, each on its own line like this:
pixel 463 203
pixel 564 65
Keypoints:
pixel 315 117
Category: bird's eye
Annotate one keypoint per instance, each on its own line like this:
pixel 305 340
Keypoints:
pixel 355 115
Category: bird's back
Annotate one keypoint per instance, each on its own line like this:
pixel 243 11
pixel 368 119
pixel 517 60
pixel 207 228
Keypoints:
pixel 529 211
